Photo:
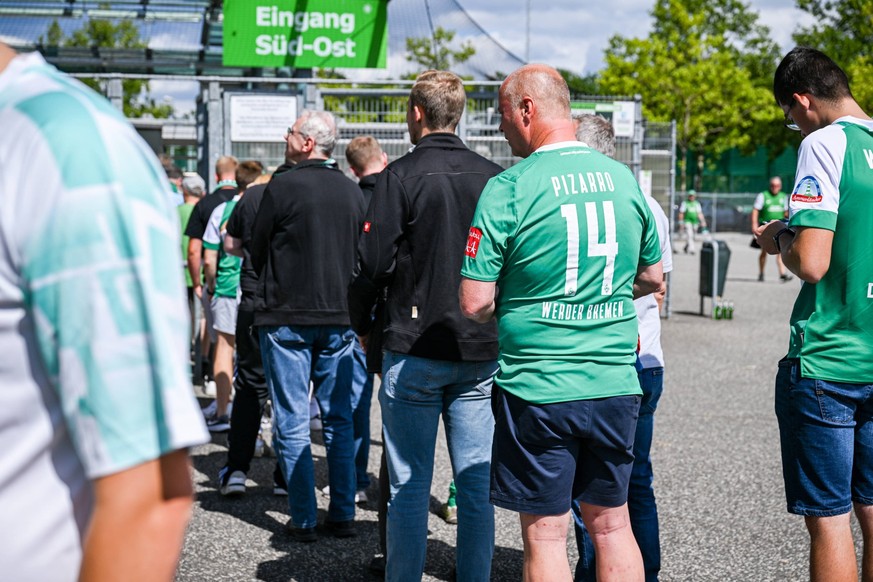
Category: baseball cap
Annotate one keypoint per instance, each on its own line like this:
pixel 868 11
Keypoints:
pixel 193 183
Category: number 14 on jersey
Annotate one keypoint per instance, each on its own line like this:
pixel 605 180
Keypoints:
pixel 608 249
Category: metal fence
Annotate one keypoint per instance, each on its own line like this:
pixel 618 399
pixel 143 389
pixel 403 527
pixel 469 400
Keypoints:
pixel 374 108
pixel 723 212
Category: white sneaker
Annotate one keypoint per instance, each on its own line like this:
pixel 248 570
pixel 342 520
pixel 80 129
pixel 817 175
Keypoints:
pixel 260 446
pixel 360 494
pixel 209 388
pixel 233 484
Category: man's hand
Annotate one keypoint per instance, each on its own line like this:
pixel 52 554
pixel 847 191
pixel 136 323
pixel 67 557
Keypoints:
pixel 764 235
pixel 364 340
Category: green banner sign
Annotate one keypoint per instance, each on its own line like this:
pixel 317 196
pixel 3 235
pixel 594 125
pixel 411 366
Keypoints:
pixel 306 33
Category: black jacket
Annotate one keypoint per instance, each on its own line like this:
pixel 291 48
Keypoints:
pixel 367 184
pixel 303 246
pixel 240 225
pixel 413 241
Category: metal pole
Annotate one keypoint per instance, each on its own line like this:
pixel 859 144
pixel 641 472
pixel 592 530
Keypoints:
pixel 527 36
pixel 714 212
pixel 115 93
pixel 668 305
pixel 714 275
pixel 637 144
pixel 215 129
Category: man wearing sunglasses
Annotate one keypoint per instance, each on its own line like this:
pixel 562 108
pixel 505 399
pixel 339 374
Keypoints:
pixel 303 249
pixel 824 387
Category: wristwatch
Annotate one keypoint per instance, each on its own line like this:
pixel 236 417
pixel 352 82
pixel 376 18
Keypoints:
pixel 779 234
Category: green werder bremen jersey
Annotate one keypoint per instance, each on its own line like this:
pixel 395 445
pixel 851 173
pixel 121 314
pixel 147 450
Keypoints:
pixel 563 233
pixel 832 321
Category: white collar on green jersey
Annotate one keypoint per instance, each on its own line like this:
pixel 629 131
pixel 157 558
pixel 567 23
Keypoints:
pixel 559 145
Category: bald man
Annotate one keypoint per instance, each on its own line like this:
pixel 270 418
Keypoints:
pixel 567 394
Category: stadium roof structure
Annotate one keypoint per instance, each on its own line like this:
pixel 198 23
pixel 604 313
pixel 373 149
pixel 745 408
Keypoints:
pixel 184 37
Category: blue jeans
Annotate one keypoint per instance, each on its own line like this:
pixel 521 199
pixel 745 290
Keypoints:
pixel 641 497
pixel 826 433
pixel 292 356
pixel 362 397
pixel 414 392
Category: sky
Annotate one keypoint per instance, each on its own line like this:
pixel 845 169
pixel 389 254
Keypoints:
pixel 573 34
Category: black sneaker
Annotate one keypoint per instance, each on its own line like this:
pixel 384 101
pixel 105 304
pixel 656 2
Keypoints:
pixel 786 277
pixel 304 535
pixel 341 529
pixel 760 277
pixel 377 565
pixel 218 423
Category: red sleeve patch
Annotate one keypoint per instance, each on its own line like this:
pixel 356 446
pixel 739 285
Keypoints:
pixel 366 227
pixel 473 240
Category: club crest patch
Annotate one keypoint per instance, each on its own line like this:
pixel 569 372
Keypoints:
pixel 473 240
pixel 807 191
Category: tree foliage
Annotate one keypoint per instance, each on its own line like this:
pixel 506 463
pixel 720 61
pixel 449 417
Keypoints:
pixel 708 64
pixel 437 52
pixel 844 31
pixel 587 85
pixel 101 33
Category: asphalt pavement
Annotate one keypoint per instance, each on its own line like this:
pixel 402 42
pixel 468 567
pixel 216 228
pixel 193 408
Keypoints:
pixel 715 454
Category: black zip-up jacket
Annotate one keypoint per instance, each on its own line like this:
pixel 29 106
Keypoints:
pixel 413 241
pixel 240 225
pixel 303 245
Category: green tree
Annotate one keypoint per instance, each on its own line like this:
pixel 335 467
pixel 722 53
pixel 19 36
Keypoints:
pixel 101 33
pixel 54 35
pixel 587 85
pixel 436 52
pixel 704 65
pixel 844 31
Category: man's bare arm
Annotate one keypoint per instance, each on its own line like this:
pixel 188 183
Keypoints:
pixel 139 521
pixel 649 279
pixel 233 246
pixel 754 221
pixel 195 250
pixel 477 299
pixel 210 268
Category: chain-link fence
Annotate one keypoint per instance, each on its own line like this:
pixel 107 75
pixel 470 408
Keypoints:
pixel 724 212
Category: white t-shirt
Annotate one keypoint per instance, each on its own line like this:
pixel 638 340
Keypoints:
pixel 94 377
pixel 651 354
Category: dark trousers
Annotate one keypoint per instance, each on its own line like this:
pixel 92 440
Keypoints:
pixel 251 395
pixel 384 497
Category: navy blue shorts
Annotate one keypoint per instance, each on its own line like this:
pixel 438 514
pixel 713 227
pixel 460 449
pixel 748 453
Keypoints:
pixel 546 455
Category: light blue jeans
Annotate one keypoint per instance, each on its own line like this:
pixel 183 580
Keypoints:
pixel 414 392
pixel 292 356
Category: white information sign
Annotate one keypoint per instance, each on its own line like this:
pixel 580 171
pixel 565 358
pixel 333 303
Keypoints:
pixel 261 118
pixel 646 182
pixel 623 119
pixel 620 113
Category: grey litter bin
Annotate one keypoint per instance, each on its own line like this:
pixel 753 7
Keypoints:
pixel 707 260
